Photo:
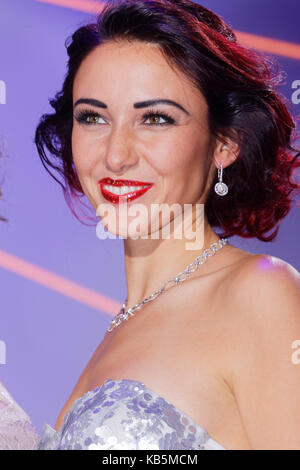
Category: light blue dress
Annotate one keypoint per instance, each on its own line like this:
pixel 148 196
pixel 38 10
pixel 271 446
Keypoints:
pixel 125 414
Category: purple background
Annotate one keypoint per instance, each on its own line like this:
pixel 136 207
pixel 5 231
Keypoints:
pixel 50 337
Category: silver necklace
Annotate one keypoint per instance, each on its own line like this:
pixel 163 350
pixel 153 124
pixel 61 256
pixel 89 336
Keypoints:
pixel 182 276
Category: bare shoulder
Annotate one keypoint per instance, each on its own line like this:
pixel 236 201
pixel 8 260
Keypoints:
pixel 260 280
pixel 264 298
pixel 261 299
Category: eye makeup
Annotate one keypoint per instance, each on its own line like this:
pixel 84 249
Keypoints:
pixel 83 115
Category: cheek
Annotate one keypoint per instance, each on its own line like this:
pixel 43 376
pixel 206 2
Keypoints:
pixel 165 155
pixel 178 156
pixel 82 152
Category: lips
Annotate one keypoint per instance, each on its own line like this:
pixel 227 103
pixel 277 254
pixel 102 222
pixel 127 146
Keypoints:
pixel 123 190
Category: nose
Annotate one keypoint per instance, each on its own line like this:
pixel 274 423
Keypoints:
pixel 120 155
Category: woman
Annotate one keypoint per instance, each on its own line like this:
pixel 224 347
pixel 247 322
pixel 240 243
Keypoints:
pixel 160 95
pixel 16 429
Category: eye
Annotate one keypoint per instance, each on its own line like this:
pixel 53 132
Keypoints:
pixel 88 117
pixel 158 114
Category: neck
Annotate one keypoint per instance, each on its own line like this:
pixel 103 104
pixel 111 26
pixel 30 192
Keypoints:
pixel 149 263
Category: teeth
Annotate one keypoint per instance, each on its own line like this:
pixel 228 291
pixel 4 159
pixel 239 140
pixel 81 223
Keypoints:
pixel 122 189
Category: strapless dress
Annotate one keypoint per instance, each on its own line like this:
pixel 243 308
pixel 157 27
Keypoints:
pixel 125 414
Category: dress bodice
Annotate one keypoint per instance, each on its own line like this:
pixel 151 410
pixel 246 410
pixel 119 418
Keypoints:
pixel 16 429
pixel 125 414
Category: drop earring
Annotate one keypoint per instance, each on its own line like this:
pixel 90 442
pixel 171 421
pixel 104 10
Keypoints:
pixel 221 188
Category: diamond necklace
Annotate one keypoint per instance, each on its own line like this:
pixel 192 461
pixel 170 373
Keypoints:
pixel 182 276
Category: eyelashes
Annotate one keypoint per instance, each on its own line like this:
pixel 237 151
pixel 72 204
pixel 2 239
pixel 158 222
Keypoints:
pixel 85 114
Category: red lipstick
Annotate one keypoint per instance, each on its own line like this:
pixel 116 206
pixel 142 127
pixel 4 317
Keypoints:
pixel 122 190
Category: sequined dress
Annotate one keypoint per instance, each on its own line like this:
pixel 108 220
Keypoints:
pixel 125 414
pixel 16 430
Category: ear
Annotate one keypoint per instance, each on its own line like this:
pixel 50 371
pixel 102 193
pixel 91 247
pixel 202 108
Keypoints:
pixel 225 153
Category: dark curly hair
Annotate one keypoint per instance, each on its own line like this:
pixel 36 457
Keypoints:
pixel 238 84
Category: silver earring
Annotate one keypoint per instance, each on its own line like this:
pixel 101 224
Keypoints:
pixel 221 188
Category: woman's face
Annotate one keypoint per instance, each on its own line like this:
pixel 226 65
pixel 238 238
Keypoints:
pixel 114 137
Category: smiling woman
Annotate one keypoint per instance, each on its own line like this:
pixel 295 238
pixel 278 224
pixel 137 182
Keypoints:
pixel 159 95
pixel 238 86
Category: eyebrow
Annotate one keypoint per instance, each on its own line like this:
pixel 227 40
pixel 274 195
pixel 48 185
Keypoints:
pixel 140 104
